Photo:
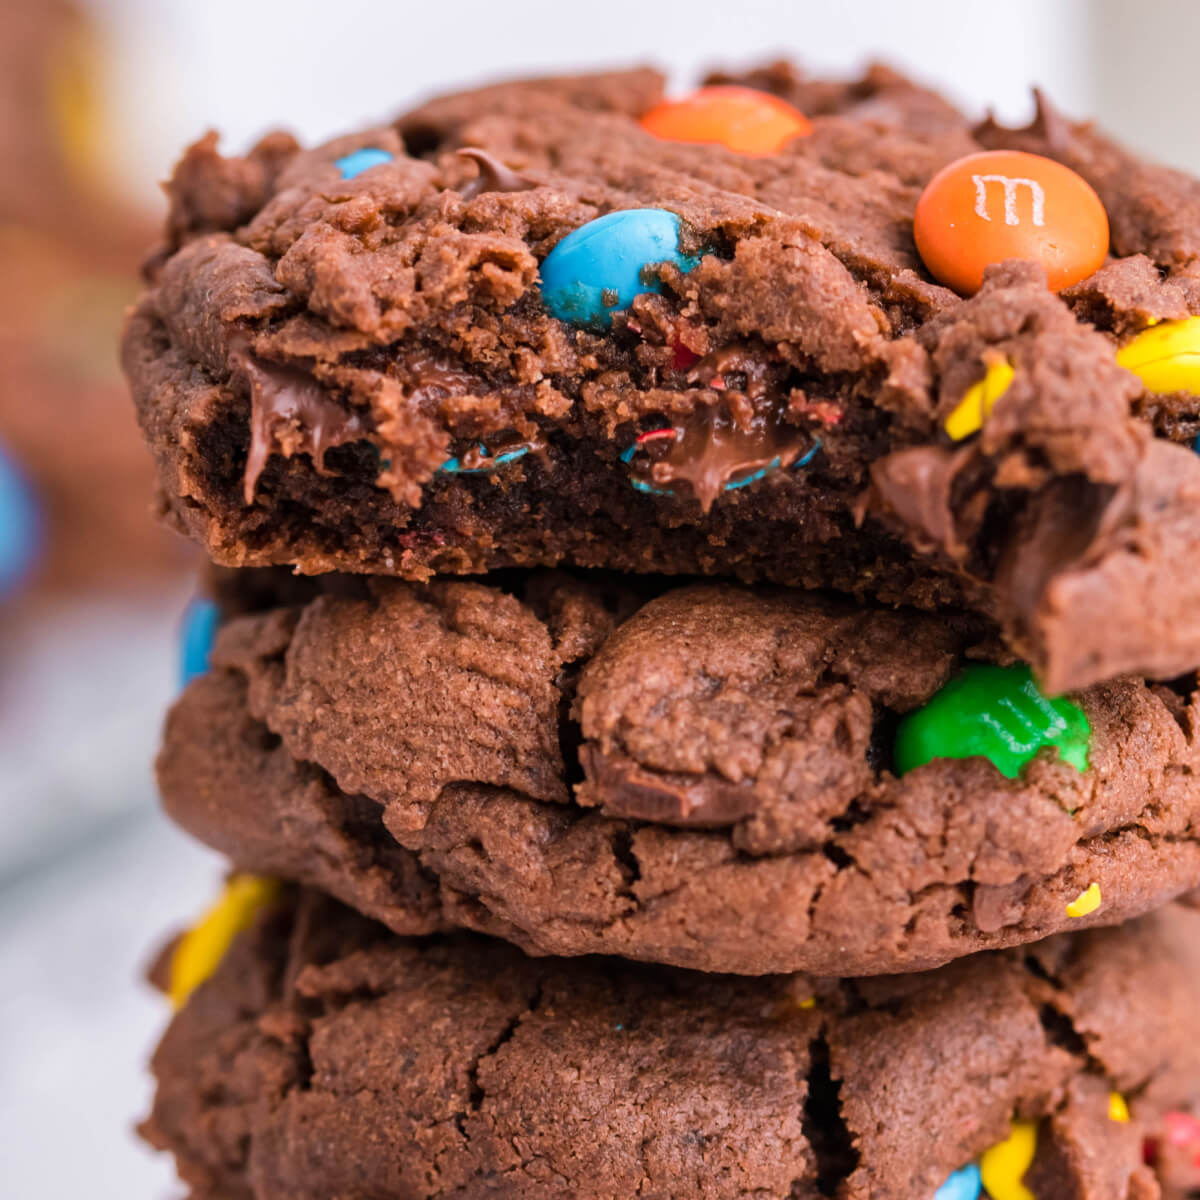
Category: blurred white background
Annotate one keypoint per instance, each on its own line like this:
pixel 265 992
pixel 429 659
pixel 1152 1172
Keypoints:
pixel 318 68
pixel 75 1025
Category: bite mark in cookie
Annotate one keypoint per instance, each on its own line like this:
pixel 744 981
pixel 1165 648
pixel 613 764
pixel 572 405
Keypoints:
pixel 802 261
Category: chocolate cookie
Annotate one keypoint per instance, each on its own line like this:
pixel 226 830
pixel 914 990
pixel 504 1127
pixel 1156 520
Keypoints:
pixel 398 353
pixel 327 1058
pixel 710 777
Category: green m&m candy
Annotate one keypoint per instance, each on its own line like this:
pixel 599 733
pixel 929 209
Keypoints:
pixel 997 713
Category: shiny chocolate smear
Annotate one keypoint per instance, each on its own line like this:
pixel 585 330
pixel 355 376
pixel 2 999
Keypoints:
pixel 291 413
pixel 493 175
pixel 716 450
pixel 931 489
pixel 425 377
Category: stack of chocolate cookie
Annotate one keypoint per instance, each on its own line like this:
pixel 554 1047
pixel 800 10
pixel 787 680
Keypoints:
pixel 731 726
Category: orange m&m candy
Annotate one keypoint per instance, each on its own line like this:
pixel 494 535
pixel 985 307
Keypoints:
pixel 738 118
pixel 1003 204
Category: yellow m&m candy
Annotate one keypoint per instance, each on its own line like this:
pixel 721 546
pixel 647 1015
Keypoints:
pixel 201 949
pixel 1003 1167
pixel 978 400
pixel 1166 357
pixel 1086 903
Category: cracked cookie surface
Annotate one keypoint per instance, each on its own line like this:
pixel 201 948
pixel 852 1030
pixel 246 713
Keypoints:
pixel 313 351
pixel 700 777
pixel 327 1057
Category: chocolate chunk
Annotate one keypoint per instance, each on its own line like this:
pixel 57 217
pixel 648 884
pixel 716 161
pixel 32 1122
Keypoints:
pixel 493 175
pixel 718 451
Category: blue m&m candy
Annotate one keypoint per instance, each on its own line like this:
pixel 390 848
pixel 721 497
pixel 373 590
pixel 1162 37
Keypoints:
pixel 362 160
pixel 20 525
pixel 966 1184
pixel 601 266
pixel 199 631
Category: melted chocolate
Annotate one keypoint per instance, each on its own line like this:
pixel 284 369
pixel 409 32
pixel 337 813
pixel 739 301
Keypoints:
pixel 427 379
pixel 493 175
pixel 425 376
pixel 735 358
pixel 936 492
pixel 716 450
pixel 1064 526
pixel 291 413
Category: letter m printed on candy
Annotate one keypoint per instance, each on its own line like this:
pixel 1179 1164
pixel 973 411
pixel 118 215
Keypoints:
pixel 1010 188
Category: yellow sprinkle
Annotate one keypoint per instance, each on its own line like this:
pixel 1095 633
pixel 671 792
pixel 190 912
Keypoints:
pixel 1003 1167
pixel 976 405
pixel 201 949
pixel 1118 1110
pixel 1166 357
pixel 811 1002
pixel 1086 902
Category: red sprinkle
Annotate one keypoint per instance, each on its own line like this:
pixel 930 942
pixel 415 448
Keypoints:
pixel 419 537
pixel 684 357
pixel 654 434
pixel 825 411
